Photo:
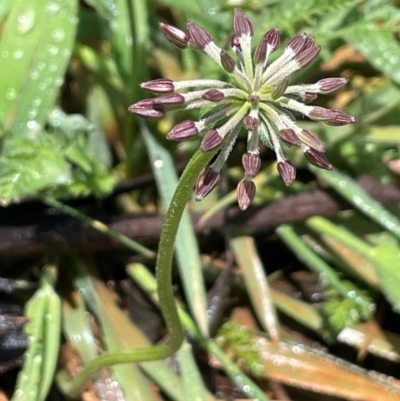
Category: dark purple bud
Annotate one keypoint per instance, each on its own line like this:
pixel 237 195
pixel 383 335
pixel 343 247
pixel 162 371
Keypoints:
pixel 273 38
pixel 280 89
pixel 320 113
pixel 328 85
pixel 241 25
pixel 161 85
pixel 297 43
pixel 206 182
pixel 212 139
pixel 309 97
pixel 170 99
pixel 311 140
pixel 289 136
pixel 174 35
pixel 318 159
pixel 307 56
pixel 251 123
pixel 260 54
pixel 235 42
pixel 147 108
pixel 198 36
pixel 246 190
pixel 310 41
pixel 287 171
pixel 339 117
pixel 213 95
pixel 228 63
pixel 251 163
pixel 184 130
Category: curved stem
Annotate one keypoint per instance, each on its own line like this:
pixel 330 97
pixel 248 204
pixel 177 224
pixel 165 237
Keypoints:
pixel 183 191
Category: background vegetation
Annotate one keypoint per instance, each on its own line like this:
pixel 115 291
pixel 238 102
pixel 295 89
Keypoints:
pixel 277 302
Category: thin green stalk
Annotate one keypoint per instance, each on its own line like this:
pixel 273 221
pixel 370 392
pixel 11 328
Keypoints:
pixel 139 32
pixel 72 388
pixel 362 201
pixel 305 254
pixel 142 277
pixel 98 225
pixel 324 226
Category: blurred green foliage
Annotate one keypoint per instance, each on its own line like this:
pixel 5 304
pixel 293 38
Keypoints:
pixel 71 68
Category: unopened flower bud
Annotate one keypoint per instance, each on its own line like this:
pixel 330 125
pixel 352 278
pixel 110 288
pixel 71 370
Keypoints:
pixel 170 99
pixel 318 159
pixel 328 85
pixel 161 85
pixel 287 171
pixel 147 108
pixel 297 43
pixel 251 163
pixel 246 190
pixel 280 89
pixel 234 42
pixel 198 36
pixel 309 42
pixel 174 35
pixel 213 95
pixel 206 182
pixel 307 56
pixel 311 140
pixel 289 136
pixel 241 25
pixel 341 118
pixel 184 130
pixel 228 63
pixel 212 139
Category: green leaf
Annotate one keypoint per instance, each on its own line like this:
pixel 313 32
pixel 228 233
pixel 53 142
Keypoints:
pixel 383 52
pixel 35 48
pixel 106 8
pixel 387 257
pixel 30 165
pixel 43 328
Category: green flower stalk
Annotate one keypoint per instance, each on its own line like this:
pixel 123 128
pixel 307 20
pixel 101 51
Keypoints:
pixel 257 99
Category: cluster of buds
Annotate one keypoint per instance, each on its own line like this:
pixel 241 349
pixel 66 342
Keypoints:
pixel 257 97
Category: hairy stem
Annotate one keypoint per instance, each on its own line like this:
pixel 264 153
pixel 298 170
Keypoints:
pixel 72 388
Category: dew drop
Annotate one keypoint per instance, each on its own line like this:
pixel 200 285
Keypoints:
pixel 4 54
pixel 32 113
pixel 66 53
pixel 72 18
pixel 58 82
pixel 26 21
pixel 34 75
pixel 53 50
pixel 11 94
pixel 14 178
pixel 41 65
pixel 158 164
pixel 52 7
pixel 18 54
pixel 58 35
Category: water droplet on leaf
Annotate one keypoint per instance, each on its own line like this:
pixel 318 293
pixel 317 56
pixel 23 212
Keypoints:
pixel 26 21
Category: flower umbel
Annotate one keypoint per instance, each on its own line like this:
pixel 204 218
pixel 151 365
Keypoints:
pixel 258 99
